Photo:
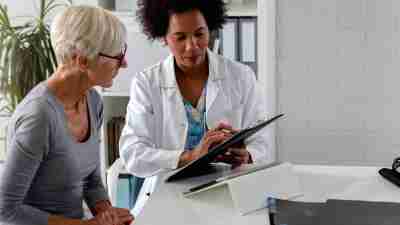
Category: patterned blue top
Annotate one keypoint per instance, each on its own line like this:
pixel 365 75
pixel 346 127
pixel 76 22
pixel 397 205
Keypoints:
pixel 196 118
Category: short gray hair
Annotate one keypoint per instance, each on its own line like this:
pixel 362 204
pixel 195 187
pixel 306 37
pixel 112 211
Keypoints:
pixel 86 30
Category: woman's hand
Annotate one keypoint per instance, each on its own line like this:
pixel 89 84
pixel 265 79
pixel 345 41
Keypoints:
pixel 103 205
pixel 112 216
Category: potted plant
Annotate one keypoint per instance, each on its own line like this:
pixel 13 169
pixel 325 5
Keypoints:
pixel 26 54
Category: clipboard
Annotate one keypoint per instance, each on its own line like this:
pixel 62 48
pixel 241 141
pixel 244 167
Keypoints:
pixel 202 165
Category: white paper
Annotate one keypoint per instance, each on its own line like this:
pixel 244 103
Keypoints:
pixel 250 192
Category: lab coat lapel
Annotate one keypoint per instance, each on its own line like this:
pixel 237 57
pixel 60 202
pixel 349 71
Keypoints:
pixel 216 74
pixel 213 88
pixel 170 87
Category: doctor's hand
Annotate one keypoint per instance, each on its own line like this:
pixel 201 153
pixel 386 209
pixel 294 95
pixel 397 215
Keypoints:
pixel 210 139
pixel 236 156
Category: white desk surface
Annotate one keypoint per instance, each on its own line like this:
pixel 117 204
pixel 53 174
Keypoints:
pixel 168 206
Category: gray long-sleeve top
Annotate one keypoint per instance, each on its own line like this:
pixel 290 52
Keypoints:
pixel 46 171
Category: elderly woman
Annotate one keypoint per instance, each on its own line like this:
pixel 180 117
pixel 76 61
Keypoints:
pixel 173 103
pixel 53 136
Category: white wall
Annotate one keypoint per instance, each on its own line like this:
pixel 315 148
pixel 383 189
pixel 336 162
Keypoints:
pixel 21 7
pixel 338 78
pixel 28 8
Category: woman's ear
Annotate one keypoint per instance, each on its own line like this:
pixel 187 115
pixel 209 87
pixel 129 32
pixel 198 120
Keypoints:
pixel 164 41
pixel 82 62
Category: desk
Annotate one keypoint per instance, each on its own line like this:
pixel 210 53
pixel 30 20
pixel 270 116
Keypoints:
pixel 318 183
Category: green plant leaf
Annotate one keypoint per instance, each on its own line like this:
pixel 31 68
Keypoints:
pixel 4 19
pixel 52 7
pixel 13 68
pixel 26 54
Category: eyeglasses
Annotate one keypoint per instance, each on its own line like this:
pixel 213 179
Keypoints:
pixel 120 57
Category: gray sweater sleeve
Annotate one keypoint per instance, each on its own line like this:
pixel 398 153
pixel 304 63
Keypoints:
pixel 94 189
pixel 28 144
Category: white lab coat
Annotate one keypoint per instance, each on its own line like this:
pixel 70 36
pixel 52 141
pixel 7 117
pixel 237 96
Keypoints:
pixel 154 135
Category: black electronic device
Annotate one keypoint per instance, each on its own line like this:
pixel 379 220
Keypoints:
pixel 197 167
pixel 391 174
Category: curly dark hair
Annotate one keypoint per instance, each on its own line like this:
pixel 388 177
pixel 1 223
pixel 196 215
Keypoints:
pixel 154 15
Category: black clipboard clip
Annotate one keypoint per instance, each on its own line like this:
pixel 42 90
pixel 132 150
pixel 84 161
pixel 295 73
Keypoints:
pixel 391 174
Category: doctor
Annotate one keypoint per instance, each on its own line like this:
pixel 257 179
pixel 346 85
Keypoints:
pixel 174 103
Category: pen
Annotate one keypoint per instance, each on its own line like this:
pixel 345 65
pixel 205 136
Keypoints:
pixel 226 131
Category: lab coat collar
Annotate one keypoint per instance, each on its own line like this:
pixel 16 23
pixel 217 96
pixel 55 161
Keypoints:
pixel 216 70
